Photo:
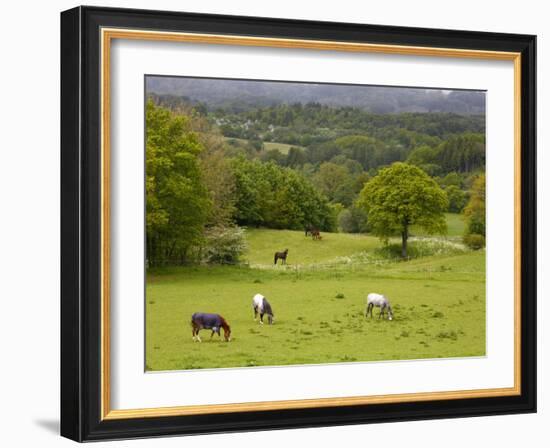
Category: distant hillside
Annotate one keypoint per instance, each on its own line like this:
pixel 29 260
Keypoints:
pixel 238 95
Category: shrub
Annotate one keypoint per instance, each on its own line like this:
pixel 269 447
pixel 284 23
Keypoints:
pixel 421 247
pixel 223 245
pixel 474 241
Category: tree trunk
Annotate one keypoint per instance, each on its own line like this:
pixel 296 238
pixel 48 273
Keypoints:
pixel 404 238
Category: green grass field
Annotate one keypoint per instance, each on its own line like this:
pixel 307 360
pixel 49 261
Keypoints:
pixel 304 251
pixel 318 301
pixel 283 148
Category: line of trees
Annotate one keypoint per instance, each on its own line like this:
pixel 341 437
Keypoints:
pixel 280 198
pixel 306 124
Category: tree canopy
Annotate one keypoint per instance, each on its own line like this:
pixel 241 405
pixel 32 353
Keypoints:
pixel 400 196
pixel 281 198
pixel 177 202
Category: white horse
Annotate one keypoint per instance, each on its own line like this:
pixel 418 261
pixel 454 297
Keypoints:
pixel 380 301
pixel 262 306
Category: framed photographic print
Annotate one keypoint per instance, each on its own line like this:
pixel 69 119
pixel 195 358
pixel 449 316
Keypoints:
pixel 273 223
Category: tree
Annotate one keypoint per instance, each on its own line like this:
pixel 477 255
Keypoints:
pixel 215 168
pixel 177 202
pixel 295 157
pixel 353 220
pixel 452 179
pixel 400 196
pixel 425 157
pixel 219 179
pixel 463 153
pixel 330 178
pixel 276 197
pixel 273 155
pixel 457 198
pixel 475 210
pixel 252 192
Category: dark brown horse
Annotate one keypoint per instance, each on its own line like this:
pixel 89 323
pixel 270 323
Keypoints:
pixel 209 321
pixel 315 234
pixel 282 256
pixel 313 231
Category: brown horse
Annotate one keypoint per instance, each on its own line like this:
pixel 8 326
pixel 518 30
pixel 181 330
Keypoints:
pixel 313 231
pixel 209 321
pixel 282 256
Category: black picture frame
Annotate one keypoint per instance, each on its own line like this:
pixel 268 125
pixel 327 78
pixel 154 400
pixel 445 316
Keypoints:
pixel 81 224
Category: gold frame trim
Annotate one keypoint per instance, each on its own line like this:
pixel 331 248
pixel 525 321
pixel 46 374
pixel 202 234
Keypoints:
pixel 107 35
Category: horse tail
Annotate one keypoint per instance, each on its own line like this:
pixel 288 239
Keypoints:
pixel 275 258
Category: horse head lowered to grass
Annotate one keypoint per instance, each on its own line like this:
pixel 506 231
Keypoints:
pixel 262 306
pixel 380 301
pixel 209 321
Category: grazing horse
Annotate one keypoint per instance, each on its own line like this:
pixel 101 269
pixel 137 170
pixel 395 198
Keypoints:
pixel 315 234
pixel 308 229
pixel 379 301
pixel 282 256
pixel 210 322
pixel 262 306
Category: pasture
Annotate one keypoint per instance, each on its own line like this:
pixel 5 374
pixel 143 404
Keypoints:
pixel 319 303
pixel 283 148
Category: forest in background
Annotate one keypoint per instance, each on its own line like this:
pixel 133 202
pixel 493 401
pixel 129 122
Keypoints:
pixel 214 170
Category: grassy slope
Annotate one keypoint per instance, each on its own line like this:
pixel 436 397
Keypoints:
pixel 283 148
pixel 455 224
pixel 264 242
pixel 439 305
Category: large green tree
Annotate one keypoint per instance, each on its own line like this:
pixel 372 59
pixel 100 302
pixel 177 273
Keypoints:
pixel 177 201
pixel 400 196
